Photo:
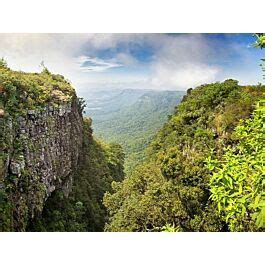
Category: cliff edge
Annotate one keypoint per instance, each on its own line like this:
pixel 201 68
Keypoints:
pixel 41 138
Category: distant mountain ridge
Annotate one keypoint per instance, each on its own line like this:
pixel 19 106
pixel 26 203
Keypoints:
pixel 102 102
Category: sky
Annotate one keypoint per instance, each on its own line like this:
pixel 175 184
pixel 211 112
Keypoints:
pixel 136 61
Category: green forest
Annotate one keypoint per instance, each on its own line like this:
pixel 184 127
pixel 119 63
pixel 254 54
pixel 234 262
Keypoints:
pixel 202 170
pixel 185 177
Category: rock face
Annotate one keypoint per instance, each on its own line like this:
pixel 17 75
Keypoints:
pixel 46 146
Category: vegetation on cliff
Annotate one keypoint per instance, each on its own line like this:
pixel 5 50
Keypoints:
pixel 21 91
pixel 30 107
pixel 237 183
pixel 173 185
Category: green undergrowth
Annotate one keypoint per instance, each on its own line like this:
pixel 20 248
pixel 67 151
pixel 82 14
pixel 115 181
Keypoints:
pixel 20 91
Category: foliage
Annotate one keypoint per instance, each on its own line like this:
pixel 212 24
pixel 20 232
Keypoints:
pixel 170 228
pixel 237 185
pixel 144 201
pixel 172 187
pixel 20 91
pixel 260 40
pixel 3 63
pixel 5 211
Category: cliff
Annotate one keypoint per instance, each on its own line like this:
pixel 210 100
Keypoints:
pixel 41 139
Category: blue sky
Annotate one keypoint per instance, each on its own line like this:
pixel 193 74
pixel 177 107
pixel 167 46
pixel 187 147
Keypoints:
pixel 156 61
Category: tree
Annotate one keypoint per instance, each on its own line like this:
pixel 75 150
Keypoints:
pixel 3 63
pixel 260 42
pixel 44 68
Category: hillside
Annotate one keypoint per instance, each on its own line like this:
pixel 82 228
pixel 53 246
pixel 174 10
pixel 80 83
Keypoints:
pixel 173 187
pixel 131 118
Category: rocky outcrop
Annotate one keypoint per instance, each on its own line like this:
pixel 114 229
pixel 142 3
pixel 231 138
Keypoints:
pixel 44 153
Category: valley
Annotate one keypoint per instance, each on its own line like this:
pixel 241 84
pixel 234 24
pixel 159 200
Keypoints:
pixel 130 117
pixel 131 160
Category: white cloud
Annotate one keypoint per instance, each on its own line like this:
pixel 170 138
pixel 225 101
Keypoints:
pixel 88 64
pixel 181 62
pixel 26 51
pixel 182 76
pixel 178 62
pixel 127 59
